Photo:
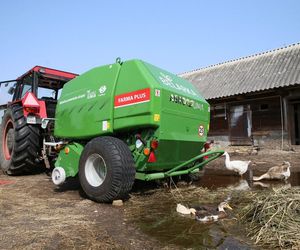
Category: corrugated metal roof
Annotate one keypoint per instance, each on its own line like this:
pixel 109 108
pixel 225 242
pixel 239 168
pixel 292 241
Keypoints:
pixel 268 70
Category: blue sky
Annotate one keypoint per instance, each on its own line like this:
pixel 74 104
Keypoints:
pixel 175 35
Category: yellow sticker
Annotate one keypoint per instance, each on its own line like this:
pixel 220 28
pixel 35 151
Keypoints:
pixel 156 117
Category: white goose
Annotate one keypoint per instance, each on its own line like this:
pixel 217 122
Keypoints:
pixel 184 210
pixel 238 166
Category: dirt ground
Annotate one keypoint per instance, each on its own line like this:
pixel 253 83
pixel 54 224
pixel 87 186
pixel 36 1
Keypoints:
pixel 37 215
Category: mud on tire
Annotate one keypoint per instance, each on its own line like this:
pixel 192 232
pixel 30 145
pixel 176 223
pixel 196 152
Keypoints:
pixel 106 169
pixel 19 143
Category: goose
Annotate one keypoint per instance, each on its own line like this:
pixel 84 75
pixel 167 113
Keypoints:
pixel 184 210
pixel 276 173
pixel 205 213
pixel 238 166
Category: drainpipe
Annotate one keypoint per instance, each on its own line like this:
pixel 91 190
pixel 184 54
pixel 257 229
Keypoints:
pixel 282 128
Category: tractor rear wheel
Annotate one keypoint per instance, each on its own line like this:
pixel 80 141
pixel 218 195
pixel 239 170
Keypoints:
pixel 106 169
pixel 20 142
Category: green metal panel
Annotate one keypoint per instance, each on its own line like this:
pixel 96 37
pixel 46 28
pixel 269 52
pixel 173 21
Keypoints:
pixel 84 109
pixel 140 111
pixel 70 161
pixel 172 82
pixel 183 112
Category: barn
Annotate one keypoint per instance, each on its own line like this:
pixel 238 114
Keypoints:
pixel 255 100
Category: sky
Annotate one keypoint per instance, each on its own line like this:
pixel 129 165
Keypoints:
pixel 179 36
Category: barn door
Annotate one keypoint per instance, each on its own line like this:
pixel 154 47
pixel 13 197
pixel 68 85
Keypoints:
pixel 240 125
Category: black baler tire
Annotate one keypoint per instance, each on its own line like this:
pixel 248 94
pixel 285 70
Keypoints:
pixel 120 167
pixel 26 143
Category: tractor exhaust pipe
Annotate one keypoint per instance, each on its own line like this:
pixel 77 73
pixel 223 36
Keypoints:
pixel 58 176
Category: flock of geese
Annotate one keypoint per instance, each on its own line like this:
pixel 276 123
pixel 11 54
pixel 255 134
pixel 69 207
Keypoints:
pixel 281 172
pixel 210 213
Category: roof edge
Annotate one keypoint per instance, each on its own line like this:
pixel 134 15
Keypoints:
pixel 186 73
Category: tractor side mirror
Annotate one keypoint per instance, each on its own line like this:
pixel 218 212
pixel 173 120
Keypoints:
pixel 11 90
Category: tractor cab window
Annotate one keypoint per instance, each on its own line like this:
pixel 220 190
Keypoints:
pixel 45 93
pixel 26 88
pixel 59 93
pixel 6 92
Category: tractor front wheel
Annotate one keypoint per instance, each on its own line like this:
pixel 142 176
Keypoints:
pixel 106 169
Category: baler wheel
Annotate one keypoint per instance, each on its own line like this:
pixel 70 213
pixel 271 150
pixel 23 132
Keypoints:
pixel 19 144
pixel 106 169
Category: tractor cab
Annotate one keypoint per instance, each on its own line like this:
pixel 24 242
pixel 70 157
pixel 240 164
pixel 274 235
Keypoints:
pixel 38 90
pixel 30 104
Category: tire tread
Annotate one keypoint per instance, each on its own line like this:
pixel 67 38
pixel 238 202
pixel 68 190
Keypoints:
pixel 122 167
pixel 26 143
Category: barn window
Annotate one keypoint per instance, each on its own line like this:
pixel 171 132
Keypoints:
pixel 264 107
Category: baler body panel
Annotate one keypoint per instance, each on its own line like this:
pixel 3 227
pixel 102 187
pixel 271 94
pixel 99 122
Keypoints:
pixel 85 103
pixel 122 98
pixel 183 111
pixel 134 102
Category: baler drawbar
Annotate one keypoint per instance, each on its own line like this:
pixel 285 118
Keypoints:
pixel 178 170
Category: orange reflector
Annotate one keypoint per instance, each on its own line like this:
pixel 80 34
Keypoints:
pixel 154 144
pixel 67 150
pixel 146 151
pixel 31 109
pixel 152 157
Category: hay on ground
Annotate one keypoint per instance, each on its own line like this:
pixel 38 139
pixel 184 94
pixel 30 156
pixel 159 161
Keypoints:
pixel 273 218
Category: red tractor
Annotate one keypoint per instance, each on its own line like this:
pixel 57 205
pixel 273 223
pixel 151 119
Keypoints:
pixel 25 121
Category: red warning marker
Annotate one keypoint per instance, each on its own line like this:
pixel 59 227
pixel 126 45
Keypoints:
pixel 6 182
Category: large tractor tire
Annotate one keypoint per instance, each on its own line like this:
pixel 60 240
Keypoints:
pixel 19 143
pixel 106 169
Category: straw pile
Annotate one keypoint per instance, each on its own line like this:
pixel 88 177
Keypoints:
pixel 273 218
